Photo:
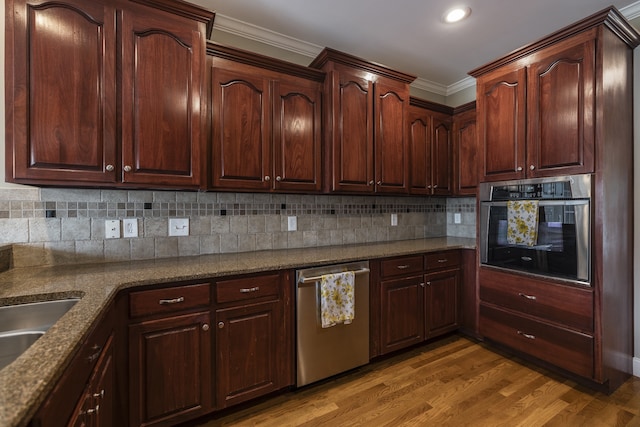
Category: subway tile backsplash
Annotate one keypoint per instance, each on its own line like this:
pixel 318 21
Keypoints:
pixel 65 226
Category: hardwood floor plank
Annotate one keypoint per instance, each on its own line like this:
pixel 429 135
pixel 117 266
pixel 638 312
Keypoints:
pixel 452 382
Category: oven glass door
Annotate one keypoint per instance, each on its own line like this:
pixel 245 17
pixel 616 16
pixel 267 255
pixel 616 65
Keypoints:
pixel 562 246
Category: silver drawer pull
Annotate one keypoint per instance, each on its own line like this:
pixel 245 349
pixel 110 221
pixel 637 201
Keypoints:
pixel 528 336
pixel 403 267
pixel 249 290
pixel 171 301
pixel 443 260
pixel 529 297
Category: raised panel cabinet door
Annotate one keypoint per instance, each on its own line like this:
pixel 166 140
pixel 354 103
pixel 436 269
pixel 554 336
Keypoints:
pixel 162 77
pixel 352 140
pixel 420 137
pixel 170 369
pixel 297 134
pixel 502 124
pixel 442 292
pixel 391 144
pixel 241 129
pixel 402 313
pixel 249 340
pixel 61 105
pixel 466 154
pixel 561 102
pixel 103 387
pixel 442 156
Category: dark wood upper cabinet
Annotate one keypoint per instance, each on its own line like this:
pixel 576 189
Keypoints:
pixel 465 150
pixel 561 105
pixel 536 115
pixel 501 100
pixel 366 113
pixel 162 79
pixel 266 123
pixel 430 137
pixel 76 65
pixel 61 122
pixel 390 142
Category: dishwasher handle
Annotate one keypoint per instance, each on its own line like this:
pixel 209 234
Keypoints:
pixel 314 279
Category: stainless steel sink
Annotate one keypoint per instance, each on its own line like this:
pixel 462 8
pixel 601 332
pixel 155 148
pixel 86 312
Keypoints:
pixel 22 324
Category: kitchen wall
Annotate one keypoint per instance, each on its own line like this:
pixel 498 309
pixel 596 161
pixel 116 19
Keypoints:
pixel 67 226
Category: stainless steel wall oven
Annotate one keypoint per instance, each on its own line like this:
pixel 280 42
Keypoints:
pixel 540 226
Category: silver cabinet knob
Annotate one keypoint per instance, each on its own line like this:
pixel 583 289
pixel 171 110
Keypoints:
pixel 205 327
pixel 109 168
pixel 278 178
pixel 267 178
pixel 435 186
pixel 371 182
pixel 127 168
pixel 220 325
pixel 379 182
pixel 422 285
pixel 532 167
pixel 519 169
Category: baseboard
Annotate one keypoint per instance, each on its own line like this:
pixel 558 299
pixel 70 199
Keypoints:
pixel 636 366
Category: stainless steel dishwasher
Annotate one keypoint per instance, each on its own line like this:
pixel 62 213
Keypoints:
pixel 323 352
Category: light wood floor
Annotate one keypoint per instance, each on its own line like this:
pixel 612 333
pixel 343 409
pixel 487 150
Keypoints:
pixel 453 382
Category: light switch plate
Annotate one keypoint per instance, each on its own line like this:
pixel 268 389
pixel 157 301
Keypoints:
pixel 178 226
pixel 394 220
pixel 130 227
pixel 292 223
pixel 457 218
pixel 112 229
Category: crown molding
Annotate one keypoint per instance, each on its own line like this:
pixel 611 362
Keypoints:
pixel 265 36
pixel 632 11
pixel 253 32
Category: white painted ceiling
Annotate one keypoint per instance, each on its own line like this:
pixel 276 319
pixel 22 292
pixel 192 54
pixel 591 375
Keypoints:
pixel 407 35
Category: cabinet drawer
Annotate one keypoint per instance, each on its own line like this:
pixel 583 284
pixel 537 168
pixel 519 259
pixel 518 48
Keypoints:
pixel 246 288
pixel 169 300
pixel 442 260
pixel 403 266
pixel 566 305
pixel 561 347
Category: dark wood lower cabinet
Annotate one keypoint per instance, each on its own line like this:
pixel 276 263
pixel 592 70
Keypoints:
pixel 414 298
pixel 247 343
pixel 170 369
pixel 402 313
pixel 442 295
pixel 85 394
pixel 95 407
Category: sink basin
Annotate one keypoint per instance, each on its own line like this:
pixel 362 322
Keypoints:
pixel 22 324
pixel 13 345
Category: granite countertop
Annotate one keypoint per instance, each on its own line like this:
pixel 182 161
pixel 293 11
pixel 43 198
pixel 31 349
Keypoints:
pixel 25 383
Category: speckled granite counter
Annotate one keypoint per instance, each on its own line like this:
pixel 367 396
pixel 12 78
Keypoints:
pixel 25 383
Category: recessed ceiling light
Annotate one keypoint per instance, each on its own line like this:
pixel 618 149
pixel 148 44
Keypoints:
pixel 456 15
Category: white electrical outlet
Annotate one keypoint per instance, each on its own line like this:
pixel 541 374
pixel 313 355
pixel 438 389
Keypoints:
pixel 178 226
pixel 130 227
pixel 394 220
pixel 457 218
pixel 112 229
pixel 292 223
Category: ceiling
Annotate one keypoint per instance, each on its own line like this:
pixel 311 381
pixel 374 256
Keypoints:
pixel 406 35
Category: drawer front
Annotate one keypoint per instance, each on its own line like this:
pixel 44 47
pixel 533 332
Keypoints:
pixel 570 350
pixel 403 266
pixel 439 260
pixel 169 300
pixel 247 288
pixel 568 306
